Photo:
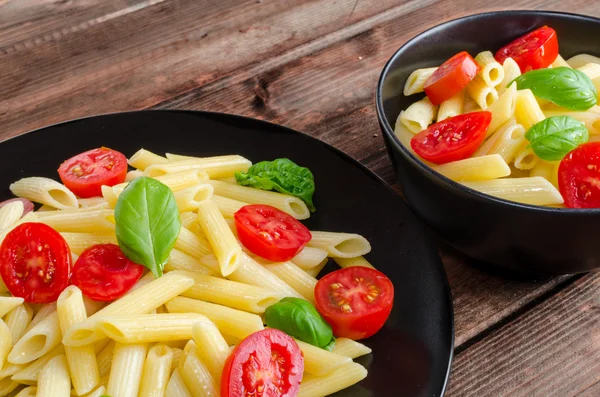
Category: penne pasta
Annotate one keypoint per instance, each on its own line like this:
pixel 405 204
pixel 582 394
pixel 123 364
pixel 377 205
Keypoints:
pixel 193 245
pixel 319 361
pixel 8 303
pixel 340 245
pixel 30 391
pixel 349 262
pixel 215 167
pixel 547 170
pixel 592 70
pixel 180 261
pixel 104 358
pixel 418 116
pixel 511 72
pixel 6 343
pixel 451 107
pixel 189 199
pixel 126 370
pixel 176 386
pixel 491 71
pixel 503 109
pixel 309 257
pixel 314 272
pixel 227 206
pixel 92 203
pixel 483 94
pixel 350 348
pixel 295 277
pixel 10 214
pixel 481 168
pixel 533 190
pixel 416 81
pixel 560 62
pixel 54 379
pixel 131 175
pixel 45 191
pixel 527 110
pixel 582 59
pixel 591 118
pixel 28 375
pixel 156 372
pixel 211 348
pixel 337 380
pixel 525 158
pixel 82 221
pixel 144 158
pixel 196 375
pixel 78 242
pixel 36 342
pixel 18 320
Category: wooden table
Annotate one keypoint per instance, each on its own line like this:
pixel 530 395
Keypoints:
pixel 313 66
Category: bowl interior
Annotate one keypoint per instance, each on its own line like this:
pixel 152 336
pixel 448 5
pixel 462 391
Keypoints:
pixel 576 34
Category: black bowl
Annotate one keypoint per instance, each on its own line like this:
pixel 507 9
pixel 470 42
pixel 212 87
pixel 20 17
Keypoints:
pixel 525 238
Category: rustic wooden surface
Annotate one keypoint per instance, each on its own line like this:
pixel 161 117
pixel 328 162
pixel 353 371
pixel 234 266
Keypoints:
pixel 311 65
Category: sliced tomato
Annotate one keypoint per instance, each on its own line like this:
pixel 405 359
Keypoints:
pixel 27 205
pixel 267 363
pixel 270 233
pixel 452 139
pixel 103 272
pixel 451 77
pixel 535 50
pixel 85 173
pixel 35 262
pixel 355 301
pixel 579 176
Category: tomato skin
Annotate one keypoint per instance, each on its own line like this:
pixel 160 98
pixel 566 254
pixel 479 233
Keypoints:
pixel 35 262
pixel 535 50
pixel 455 138
pixel 451 77
pixel 251 364
pixel 85 173
pixel 579 176
pixel 103 272
pixel 270 233
pixel 368 295
pixel 27 205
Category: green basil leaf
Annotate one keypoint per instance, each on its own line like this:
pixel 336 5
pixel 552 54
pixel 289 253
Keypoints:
pixel 566 87
pixel 552 138
pixel 283 176
pixel 147 223
pixel 331 345
pixel 299 318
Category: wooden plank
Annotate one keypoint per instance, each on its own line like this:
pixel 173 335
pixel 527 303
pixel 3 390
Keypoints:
pixel 144 57
pixel 329 95
pixel 552 350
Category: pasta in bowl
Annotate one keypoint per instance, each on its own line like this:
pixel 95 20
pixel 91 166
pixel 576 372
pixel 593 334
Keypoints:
pixel 493 133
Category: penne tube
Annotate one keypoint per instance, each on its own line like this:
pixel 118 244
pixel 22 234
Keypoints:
pixel 80 221
pixel 491 71
pixel 590 118
pixel 227 206
pixel 509 140
pixel 140 301
pixel 189 199
pixel 339 379
pixel 144 158
pixel 418 116
pixel 215 167
pixel 8 303
pixel 131 175
pixel 229 293
pixel 193 245
pixel 480 168
pixel 525 158
pixel 126 370
pixel 511 72
pixel 180 261
pixel 503 109
pixel 7 386
pixel 10 215
pixel 104 358
pixel 350 348
pixel 581 60
pixel 28 375
pixel 149 328
pixel 176 386
pixel 340 245
pixel 483 94
pixel 289 204
pixel 592 70
pixel 416 81
pixel 18 320
pixel 92 203
pixel 54 379
pixel 5 343
pixel 188 218
pixel 319 361
pixel 224 244
pixel 78 242
pixel 350 262
pixel 156 372
pixel 30 391
pixel 36 342
pixel 533 190
pixel 314 272
pixel 228 179
pixel 451 107
pixel 196 375
pixel 309 257
pixel 30 217
pixel 560 62
pixel 295 277
pixel 45 191
pixel 211 348
pixel 85 374
pixel 229 321
pixel 527 110
pixel 100 391
pixel 547 170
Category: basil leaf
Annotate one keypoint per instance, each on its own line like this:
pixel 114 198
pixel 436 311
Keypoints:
pixel 552 138
pixel 299 318
pixel 566 87
pixel 283 176
pixel 147 223
pixel 331 345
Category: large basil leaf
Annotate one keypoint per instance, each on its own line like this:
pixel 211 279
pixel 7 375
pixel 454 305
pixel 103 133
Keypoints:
pixel 299 318
pixel 552 138
pixel 281 175
pixel 147 223
pixel 566 87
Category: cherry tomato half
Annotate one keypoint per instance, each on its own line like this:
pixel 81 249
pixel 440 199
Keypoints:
pixel 35 262
pixel 270 233
pixel 355 301
pixel 452 139
pixel 103 272
pixel 266 363
pixel 27 205
pixel 451 77
pixel 579 176
pixel 85 173
pixel 535 50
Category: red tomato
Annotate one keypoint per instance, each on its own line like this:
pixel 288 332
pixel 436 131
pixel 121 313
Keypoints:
pixel 270 233
pixel 27 205
pixel 355 301
pixel 267 363
pixel 579 176
pixel 102 272
pixel 35 262
pixel 85 173
pixel 452 139
pixel 535 50
pixel 451 77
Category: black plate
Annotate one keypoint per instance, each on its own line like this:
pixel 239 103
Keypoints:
pixel 412 354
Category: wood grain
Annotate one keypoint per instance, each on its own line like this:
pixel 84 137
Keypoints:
pixel 552 350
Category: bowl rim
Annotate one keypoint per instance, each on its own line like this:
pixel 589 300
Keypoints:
pixel 398 146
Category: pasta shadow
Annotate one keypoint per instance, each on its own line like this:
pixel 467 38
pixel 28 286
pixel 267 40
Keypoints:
pixel 518 237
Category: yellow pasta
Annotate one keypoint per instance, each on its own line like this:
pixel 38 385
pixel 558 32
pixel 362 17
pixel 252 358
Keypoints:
pixel 196 375
pixel 144 158
pixel 84 221
pixel 18 320
pixel 532 190
pixel 525 158
pixel 10 214
pixel 591 118
pixel 475 168
pixel 189 199
pixel 592 70
pixel 45 191
pixel 54 379
pixel 416 80
pixel 227 206
pixel 503 109
pixel 5 343
pixel 511 72
pixel 148 328
pixel 216 167
pixel 451 107
pixel 126 370
pixel 28 374
pixel 483 94
pixel 547 170
pixel 560 62
pixel 356 261
pixel 212 349
pixel 36 342
pixel 339 379
pixel 176 386
pixel 295 277
pixel 350 348
pixel 418 115
pixel 78 242
pixel 309 257
pixel 156 372
pixel 582 59
pixel 319 361
pixel 527 110
pixel 340 245
pixel 8 303
pixel 491 71
pixel 180 261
